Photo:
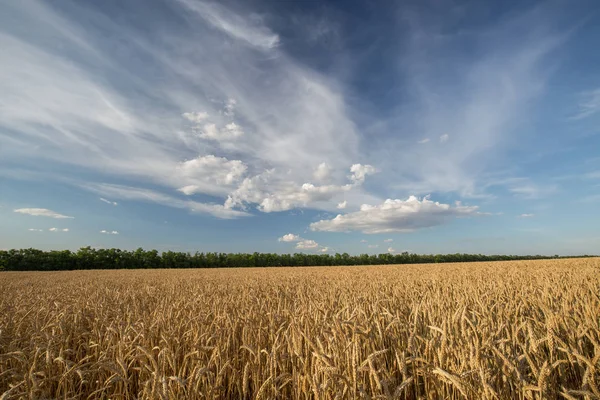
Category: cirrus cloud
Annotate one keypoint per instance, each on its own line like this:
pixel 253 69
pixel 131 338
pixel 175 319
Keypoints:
pixel 41 212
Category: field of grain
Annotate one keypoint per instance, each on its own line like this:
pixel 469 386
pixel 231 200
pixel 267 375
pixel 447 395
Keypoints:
pixel 502 330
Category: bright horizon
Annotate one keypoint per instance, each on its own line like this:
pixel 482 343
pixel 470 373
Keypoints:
pixel 315 127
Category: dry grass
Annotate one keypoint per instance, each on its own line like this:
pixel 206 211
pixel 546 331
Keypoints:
pixel 526 329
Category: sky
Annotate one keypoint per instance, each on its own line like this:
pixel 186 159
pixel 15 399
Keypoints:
pixel 301 126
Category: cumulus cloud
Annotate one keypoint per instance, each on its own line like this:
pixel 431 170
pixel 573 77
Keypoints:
pixel 322 172
pixel 210 174
pixel 391 250
pixel 195 117
pixel 272 193
pixel 232 110
pixel 229 132
pixel 526 215
pixel 359 172
pixel 65 230
pixel 229 109
pixel 290 237
pixel 105 232
pixel 444 138
pixel 395 216
pixel 35 230
pixel 41 212
pixel 302 243
pixel 373 246
pixel 114 203
pixel 53 229
pixel 307 244
pixel 342 205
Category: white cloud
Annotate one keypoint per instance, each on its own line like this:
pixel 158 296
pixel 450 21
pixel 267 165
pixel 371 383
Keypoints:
pixel 364 241
pixel 210 174
pixel 388 240
pixel 35 230
pixel 423 141
pixel 151 196
pixel 444 138
pixel 236 26
pixel 342 205
pixel 589 105
pixel 229 132
pixel 274 194
pixel 41 212
pixel 373 246
pixel 359 172
pixel 523 187
pixel 391 250
pixel 105 232
pixel 303 244
pixel 229 109
pixel 526 215
pixel 135 132
pixel 114 203
pixel 307 244
pixel 394 216
pixel 196 117
pixel 290 237
pixel 56 230
pixel 322 172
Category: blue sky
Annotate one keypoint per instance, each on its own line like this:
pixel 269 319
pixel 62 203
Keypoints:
pixel 359 127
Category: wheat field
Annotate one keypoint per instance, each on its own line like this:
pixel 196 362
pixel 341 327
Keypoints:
pixel 499 330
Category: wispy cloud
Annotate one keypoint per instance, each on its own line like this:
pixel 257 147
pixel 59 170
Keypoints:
pixel 142 131
pixel 152 196
pixel 233 25
pixel 114 203
pixel 41 212
pixel 474 111
pixel 35 230
pixel 105 232
pixel 589 105
pixel 526 215
pixel 423 141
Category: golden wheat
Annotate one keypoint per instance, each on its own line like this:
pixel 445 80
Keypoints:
pixel 501 330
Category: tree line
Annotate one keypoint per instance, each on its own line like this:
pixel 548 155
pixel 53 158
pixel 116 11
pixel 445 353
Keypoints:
pixel 91 258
